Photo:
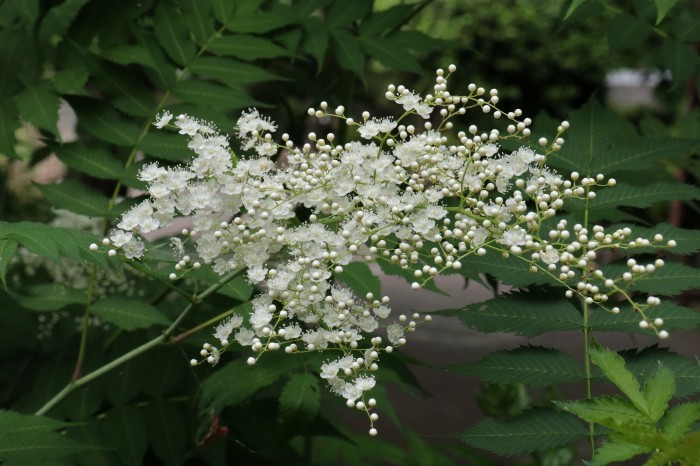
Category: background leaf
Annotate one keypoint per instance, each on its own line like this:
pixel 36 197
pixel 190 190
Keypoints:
pixel 128 314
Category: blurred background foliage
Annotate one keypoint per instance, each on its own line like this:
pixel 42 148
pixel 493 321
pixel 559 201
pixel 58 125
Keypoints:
pixel 82 80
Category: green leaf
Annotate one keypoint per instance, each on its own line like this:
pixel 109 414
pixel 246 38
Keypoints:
pixel 231 72
pixel 128 54
pixel 680 58
pixel 674 316
pixel 316 43
pixel 671 279
pixel 74 196
pixel 521 313
pixel 27 439
pixel 613 366
pixel 658 391
pixel 126 429
pixel 573 7
pixel 8 124
pixel 299 402
pixel 260 22
pixel 612 412
pixel 390 54
pixel 237 381
pixel 49 297
pixel 638 156
pixel 384 22
pixel 57 20
pixel 663 7
pixel 360 279
pixel 535 430
pixel 222 10
pixel 238 288
pixel 344 13
pixel 678 421
pixel 104 122
pixel 687 240
pixel 94 162
pixel 213 94
pixel 686 27
pixel 8 247
pixel 198 15
pixel 40 107
pixel 534 366
pixel 627 31
pixel 514 271
pixel 416 40
pixel 611 452
pixel 246 47
pixel 167 432
pixel 165 146
pixel 645 363
pixel 172 32
pixel 348 52
pixel 643 196
pixel 128 314
pixel 71 79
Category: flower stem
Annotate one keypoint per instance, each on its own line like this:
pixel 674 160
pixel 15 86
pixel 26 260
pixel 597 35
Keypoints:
pixel 85 324
pixel 78 382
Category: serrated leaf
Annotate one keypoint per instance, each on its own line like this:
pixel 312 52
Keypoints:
pixel 230 71
pixel 686 27
pixel 416 40
pixel 390 54
pixel 384 22
pixel 643 196
pixel 76 197
pixel 520 313
pixel 57 20
pixel 259 22
pixel 299 402
pixel 128 54
pixel 627 320
pixel 687 240
pixel 316 42
pixel 613 412
pixel 626 31
pixel 662 8
pixel 71 79
pixel 104 122
pixel 173 35
pixel 645 363
pixel 535 430
pixel 513 271
pixel 222 10
pixel 613 367
pixel 165 146
pixel 534 366
pixel 237 381
pixel 671 279
pixel 27 439
pixel 658 391
pixel 360 279
pixel 638 156
pixel 49 297
pixel 94 162
pixel 213 94
pixel 31 238
pixel 167 432
pixel 617 451
pixel 8 247
pixel 343 13
pixel 572 8
pixel 680 58
pixel 126 429
pixel 198 15
pixel 348 53
pixel 678 421
pixel 246 47
pixel 40 107
pixel 128 314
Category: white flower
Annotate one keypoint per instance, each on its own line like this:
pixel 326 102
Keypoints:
pixel 375 126
pixel 163 119
pixel 225 328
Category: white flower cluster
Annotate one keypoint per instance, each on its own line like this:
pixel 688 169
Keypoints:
pixel 421 197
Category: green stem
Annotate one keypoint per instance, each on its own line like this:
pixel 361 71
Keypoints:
pixel 587 369
pixel 85 324
pixel 162 338
pixel 178 338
